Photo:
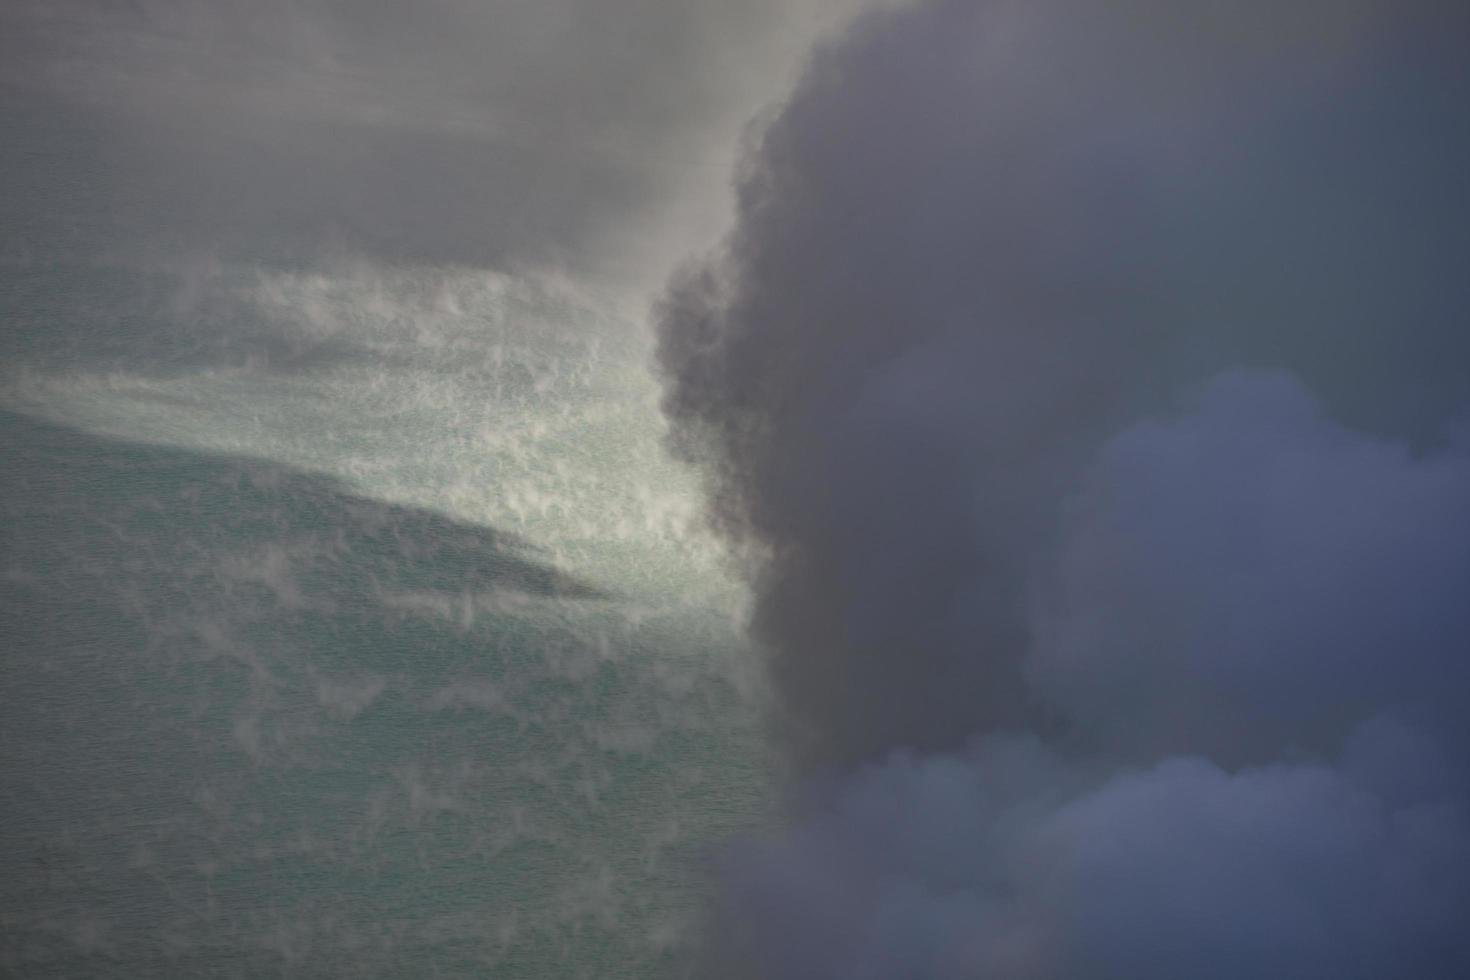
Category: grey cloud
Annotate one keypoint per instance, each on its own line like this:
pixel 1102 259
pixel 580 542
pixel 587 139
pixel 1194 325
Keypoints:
pixel 982 237
pixel 1009 860
pixel 1077 388
pixel 1253 575
pixel 1257 639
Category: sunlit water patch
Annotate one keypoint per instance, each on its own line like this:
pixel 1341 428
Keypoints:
pixel 355 625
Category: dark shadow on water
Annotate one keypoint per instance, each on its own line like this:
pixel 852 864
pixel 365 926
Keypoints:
pixel 204 657
pixel 239 701
pixel 236 502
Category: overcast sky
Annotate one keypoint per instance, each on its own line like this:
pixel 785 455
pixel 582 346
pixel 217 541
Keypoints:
pixel 594 136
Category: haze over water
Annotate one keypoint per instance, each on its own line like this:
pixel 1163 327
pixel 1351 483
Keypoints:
pixel 384 646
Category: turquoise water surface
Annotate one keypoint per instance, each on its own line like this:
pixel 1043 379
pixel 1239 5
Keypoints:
pixel 355 624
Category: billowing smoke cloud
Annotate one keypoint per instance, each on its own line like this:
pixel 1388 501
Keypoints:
pixel 1253 576
pixel 1007 862
pixel 1080 386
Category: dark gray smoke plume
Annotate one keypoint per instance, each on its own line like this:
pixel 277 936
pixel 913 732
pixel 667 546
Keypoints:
pixel 1084 386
